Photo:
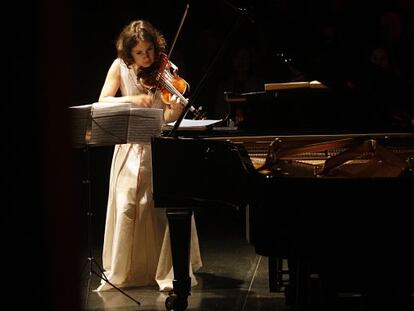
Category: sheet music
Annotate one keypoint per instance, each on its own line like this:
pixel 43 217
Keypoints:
pixel 114 123
pixel 109 123
pixel 189 124
pixel 80 123
pixel 144 124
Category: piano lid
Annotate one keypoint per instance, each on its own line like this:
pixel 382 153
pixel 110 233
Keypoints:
pixel 286 109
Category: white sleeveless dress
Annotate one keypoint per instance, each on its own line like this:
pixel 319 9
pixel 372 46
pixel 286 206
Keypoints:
pixel 136 249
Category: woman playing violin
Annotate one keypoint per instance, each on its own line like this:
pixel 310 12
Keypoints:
pixel 136 249
pixel 139 46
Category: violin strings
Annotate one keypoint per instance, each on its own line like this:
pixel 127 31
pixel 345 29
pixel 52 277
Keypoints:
pixel 172 89
pixel 165 79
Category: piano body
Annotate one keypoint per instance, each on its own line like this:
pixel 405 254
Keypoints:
pixel 325 168
pixel 333 201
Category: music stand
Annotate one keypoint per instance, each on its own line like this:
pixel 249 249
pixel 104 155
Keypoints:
pixel 110 125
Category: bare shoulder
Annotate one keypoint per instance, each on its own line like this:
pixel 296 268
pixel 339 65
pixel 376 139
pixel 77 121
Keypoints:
pixel 116 64
pixel 114 70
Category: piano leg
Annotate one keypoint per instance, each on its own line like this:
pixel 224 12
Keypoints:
pixel 302 283
pixel 298 289
pixel 179 221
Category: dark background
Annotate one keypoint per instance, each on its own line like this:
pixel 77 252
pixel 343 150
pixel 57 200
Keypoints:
pixel 57 54
pixel 331 41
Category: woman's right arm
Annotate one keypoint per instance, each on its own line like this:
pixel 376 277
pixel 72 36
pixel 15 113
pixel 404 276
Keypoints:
pixel 111 87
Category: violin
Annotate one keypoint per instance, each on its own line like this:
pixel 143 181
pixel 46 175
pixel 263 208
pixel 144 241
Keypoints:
pixel 164 77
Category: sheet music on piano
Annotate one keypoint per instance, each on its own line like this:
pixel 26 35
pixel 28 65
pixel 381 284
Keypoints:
pixel 194 125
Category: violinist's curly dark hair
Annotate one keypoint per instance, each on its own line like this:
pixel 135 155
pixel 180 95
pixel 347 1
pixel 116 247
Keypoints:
pixel 134 32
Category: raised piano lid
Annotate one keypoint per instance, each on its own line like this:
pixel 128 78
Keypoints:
pixel 315 84
pixel 340 47
pixel 313 108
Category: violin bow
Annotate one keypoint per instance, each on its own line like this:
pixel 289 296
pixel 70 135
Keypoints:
pixel 187 107
pixel 179 30
pixel 176 35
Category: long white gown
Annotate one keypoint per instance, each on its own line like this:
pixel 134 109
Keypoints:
pixel 136 249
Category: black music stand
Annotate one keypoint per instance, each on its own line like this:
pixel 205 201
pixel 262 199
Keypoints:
pixel 109 127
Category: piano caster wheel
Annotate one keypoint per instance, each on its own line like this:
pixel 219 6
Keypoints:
pixel 176 303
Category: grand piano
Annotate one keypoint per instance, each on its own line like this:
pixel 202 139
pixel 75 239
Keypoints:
pixel 327 173
pixel 332 203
